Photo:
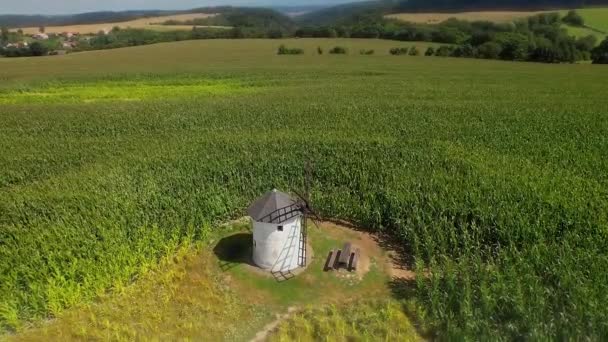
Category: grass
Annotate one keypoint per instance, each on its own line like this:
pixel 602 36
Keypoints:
pixel 152 23
pixel 596 23
pixel 595 17
pixel 131 90
pixel 185 297
pixel 194 293
pixel 492 174
pixel 367 321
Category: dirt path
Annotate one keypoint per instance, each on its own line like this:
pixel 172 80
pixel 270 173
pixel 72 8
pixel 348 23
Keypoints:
pixel 263 334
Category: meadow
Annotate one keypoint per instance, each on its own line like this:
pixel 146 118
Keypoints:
pixel 492 174
pixel 596 19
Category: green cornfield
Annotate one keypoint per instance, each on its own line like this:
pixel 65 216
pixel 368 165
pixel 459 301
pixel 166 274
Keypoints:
pixel 493 175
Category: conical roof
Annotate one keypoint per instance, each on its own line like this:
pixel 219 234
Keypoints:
pixel 269 204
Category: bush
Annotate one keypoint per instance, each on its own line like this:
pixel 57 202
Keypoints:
pixel 587 43
pixel 283 50
pixel 320 50
pixel 414 51
pixel 600 53
pixel 338 50
pixel 489 50
pixel 444 51
pixel 399 51
pixel 574 19
pixel 366 52
pixel 430 51
pixel 466 51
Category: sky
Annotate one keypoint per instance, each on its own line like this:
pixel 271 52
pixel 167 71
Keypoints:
pixel 79 6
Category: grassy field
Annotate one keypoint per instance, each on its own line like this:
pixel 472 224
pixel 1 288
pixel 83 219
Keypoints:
pixel 596 18
pixel 152 23
pixel 492 174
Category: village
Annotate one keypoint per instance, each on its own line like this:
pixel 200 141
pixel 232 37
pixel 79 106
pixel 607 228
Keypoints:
pixel 16 43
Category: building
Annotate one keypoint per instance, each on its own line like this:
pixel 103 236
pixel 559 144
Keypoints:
pixel 41 36
pixel 276 222
pixel 69 45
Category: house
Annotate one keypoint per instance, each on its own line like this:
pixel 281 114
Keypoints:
pixel 69 45
pixel 41 36
pixel 17 45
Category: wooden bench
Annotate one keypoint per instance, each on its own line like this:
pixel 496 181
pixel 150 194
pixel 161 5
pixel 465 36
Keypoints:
pixel 354 260
pixel 345 255
pixel 331 261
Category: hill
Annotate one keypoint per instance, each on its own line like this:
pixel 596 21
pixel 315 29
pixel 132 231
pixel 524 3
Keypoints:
pixel 479 5
pixel 341 14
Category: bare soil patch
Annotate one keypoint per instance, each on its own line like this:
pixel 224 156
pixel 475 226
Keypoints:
pixel 392 258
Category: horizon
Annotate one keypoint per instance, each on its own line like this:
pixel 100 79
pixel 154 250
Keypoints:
pixel 69 7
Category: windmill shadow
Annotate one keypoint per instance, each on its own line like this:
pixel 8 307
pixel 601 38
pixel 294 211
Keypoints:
pixel 234 250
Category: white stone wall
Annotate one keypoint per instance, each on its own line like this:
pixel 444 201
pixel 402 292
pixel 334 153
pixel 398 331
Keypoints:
pixel 274 250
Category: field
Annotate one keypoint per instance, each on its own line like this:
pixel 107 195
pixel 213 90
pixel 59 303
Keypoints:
pixel 435 18
pixel 152 23
pixel 596 18
pixel 492 175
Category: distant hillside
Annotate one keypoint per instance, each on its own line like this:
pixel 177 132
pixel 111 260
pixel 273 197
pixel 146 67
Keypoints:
pixel 15 21
pixel 477 5
pixel 244 18
pixel 345 13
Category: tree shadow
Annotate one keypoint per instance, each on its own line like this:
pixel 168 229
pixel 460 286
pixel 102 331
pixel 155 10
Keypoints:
pixel 234 250
pixel 402 255
pixel 403 290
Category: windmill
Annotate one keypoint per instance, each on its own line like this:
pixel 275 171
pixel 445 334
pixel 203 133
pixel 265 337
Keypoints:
pixel 279 224
pixel 307 211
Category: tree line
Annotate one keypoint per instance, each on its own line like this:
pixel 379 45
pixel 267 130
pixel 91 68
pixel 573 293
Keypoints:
pixel 540 38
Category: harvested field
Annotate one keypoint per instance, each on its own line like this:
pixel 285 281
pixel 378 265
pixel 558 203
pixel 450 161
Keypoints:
pixel 435 18
pixel 153 23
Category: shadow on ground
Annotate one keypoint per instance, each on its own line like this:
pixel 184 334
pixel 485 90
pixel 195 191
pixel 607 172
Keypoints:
pixel 234 250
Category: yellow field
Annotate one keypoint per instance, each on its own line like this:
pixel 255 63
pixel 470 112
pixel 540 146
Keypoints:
pixel 149 23
pixel 434 18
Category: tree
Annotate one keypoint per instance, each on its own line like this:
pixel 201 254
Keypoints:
pixel 430 51
pixel 414 51
pixel 489 50
pixel 514 46
pixel 4 34
pixel 38 49
pixel 600 53
pixel 574 19
pixel 586 43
